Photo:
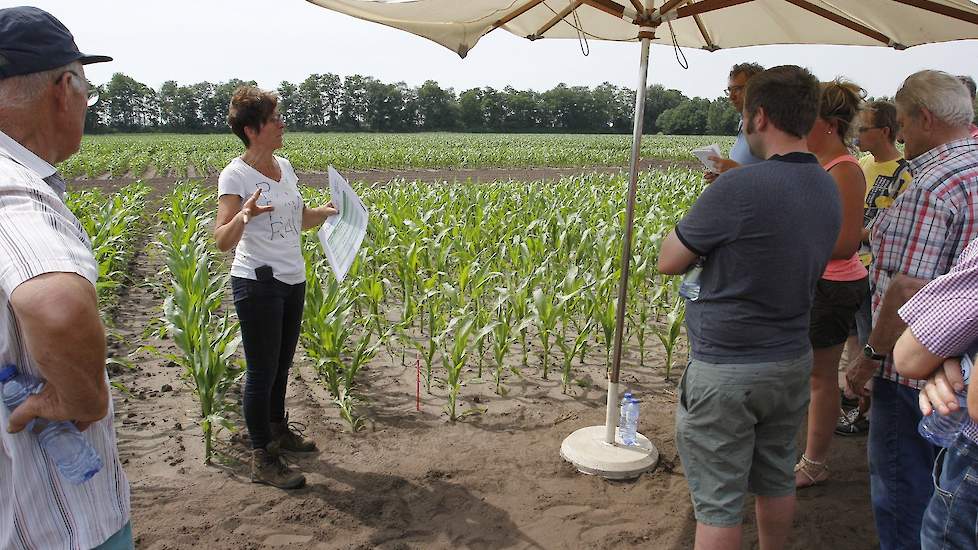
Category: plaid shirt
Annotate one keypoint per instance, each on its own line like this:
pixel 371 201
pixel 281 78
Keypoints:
pixel 944 314
pixel 928 226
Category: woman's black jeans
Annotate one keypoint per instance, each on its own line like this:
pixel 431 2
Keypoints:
pixel 270 314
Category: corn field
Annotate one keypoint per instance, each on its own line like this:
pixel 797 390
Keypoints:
pixel 475 284
pixel 112 224
pixel 175 155
pixel 490 282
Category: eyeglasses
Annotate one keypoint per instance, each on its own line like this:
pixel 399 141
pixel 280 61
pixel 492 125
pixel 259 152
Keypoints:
pixel 276 118
pixel 862 129
pixel 730 90
pixel 90 91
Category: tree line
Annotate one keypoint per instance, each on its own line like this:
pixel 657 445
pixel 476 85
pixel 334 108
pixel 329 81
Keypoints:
pixel 328 102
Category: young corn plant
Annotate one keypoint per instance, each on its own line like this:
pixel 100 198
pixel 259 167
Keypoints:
pixel 206 339
pixel 670 333
pixel 519 305
pixel 546 313
pixel 569 350
pixel 460 334
pixel 502 338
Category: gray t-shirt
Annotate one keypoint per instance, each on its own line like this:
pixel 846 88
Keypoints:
pixel 766 231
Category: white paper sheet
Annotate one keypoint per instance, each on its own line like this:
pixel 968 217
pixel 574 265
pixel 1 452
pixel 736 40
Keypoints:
pixel 342 234
pixel 704 154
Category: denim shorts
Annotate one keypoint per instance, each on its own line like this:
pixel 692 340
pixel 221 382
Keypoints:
pixel 735 431
pixel 951 519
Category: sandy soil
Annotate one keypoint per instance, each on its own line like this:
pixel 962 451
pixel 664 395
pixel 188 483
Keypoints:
pixel 413 480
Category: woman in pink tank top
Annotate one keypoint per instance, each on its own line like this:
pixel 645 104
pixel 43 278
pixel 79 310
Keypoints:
pixel 844 283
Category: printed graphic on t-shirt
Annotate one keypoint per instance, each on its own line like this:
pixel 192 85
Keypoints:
pixel 883 192
pixel 283 222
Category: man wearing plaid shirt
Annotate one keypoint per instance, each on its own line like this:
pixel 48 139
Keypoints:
pixel 915 241
pixel 942 324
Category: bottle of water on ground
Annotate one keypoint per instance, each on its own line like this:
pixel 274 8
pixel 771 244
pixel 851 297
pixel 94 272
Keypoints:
pixel 624 405
pixel 630 430
pixel 76 460
pixel 690 287
pixel 943 430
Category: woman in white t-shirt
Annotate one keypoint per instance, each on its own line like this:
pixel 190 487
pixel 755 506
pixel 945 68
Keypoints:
pixel 261 214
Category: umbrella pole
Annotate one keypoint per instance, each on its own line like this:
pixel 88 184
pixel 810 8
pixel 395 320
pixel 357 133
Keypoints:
pixel 611 417
pixel 594 449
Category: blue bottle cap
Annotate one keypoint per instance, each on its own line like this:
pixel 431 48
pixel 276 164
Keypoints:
pixel 8 372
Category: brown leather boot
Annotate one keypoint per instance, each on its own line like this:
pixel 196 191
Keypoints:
pixel 287 436
pixel 270 469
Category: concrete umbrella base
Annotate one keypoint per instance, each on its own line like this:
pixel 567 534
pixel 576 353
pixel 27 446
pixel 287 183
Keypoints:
pixel 587 450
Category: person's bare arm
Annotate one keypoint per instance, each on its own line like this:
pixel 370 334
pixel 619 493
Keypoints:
pixel 314 217
pixel 232 216
pixel 888 328
pixel 851 183
pixel 674 257
pixel 59 318
pixel 912 359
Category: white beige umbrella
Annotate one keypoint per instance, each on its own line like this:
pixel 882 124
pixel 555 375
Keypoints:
pixel 708 24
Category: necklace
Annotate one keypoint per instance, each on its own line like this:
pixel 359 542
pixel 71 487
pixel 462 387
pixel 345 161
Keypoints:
pixel 272 168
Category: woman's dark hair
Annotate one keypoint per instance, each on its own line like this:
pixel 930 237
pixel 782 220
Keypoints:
pixel 250 107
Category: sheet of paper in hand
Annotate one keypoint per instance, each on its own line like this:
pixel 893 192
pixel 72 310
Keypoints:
pixel 342 234
pixel 704 154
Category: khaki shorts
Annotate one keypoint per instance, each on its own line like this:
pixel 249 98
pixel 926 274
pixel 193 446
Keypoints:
pixel 735 430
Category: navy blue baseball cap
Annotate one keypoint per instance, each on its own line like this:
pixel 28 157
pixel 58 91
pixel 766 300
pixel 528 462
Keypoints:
pixel 32 40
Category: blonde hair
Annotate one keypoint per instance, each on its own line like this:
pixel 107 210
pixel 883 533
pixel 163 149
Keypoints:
pixel 840 102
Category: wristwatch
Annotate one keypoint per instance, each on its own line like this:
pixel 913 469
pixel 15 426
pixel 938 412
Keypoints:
pixel 870 353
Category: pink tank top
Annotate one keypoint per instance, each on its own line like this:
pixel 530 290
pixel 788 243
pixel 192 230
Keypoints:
pixel 851 269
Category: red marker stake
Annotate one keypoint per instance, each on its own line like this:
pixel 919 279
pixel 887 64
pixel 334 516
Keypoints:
pixel 418 365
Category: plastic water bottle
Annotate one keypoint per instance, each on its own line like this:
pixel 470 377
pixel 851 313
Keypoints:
pixel 943 430
pixel 690 287
pixel 624 404
pixel 64 444
pixel 628 433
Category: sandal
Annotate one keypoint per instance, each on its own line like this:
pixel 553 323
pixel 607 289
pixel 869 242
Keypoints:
pixel 816 472
pixel 852 423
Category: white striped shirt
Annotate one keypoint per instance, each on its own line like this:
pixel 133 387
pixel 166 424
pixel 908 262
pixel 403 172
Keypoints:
pixel 38 509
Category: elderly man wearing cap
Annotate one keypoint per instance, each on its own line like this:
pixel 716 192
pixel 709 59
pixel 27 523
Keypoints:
pixel 49 320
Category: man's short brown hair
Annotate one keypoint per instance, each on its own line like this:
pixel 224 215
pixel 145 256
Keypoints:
pixel 250 107
pixel 884 116
pixel 789 95
pixel 748 69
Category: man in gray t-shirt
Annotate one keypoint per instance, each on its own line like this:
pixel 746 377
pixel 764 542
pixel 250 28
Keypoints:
pixel 765 233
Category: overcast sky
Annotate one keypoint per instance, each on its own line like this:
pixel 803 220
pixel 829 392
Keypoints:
pixel 271 41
